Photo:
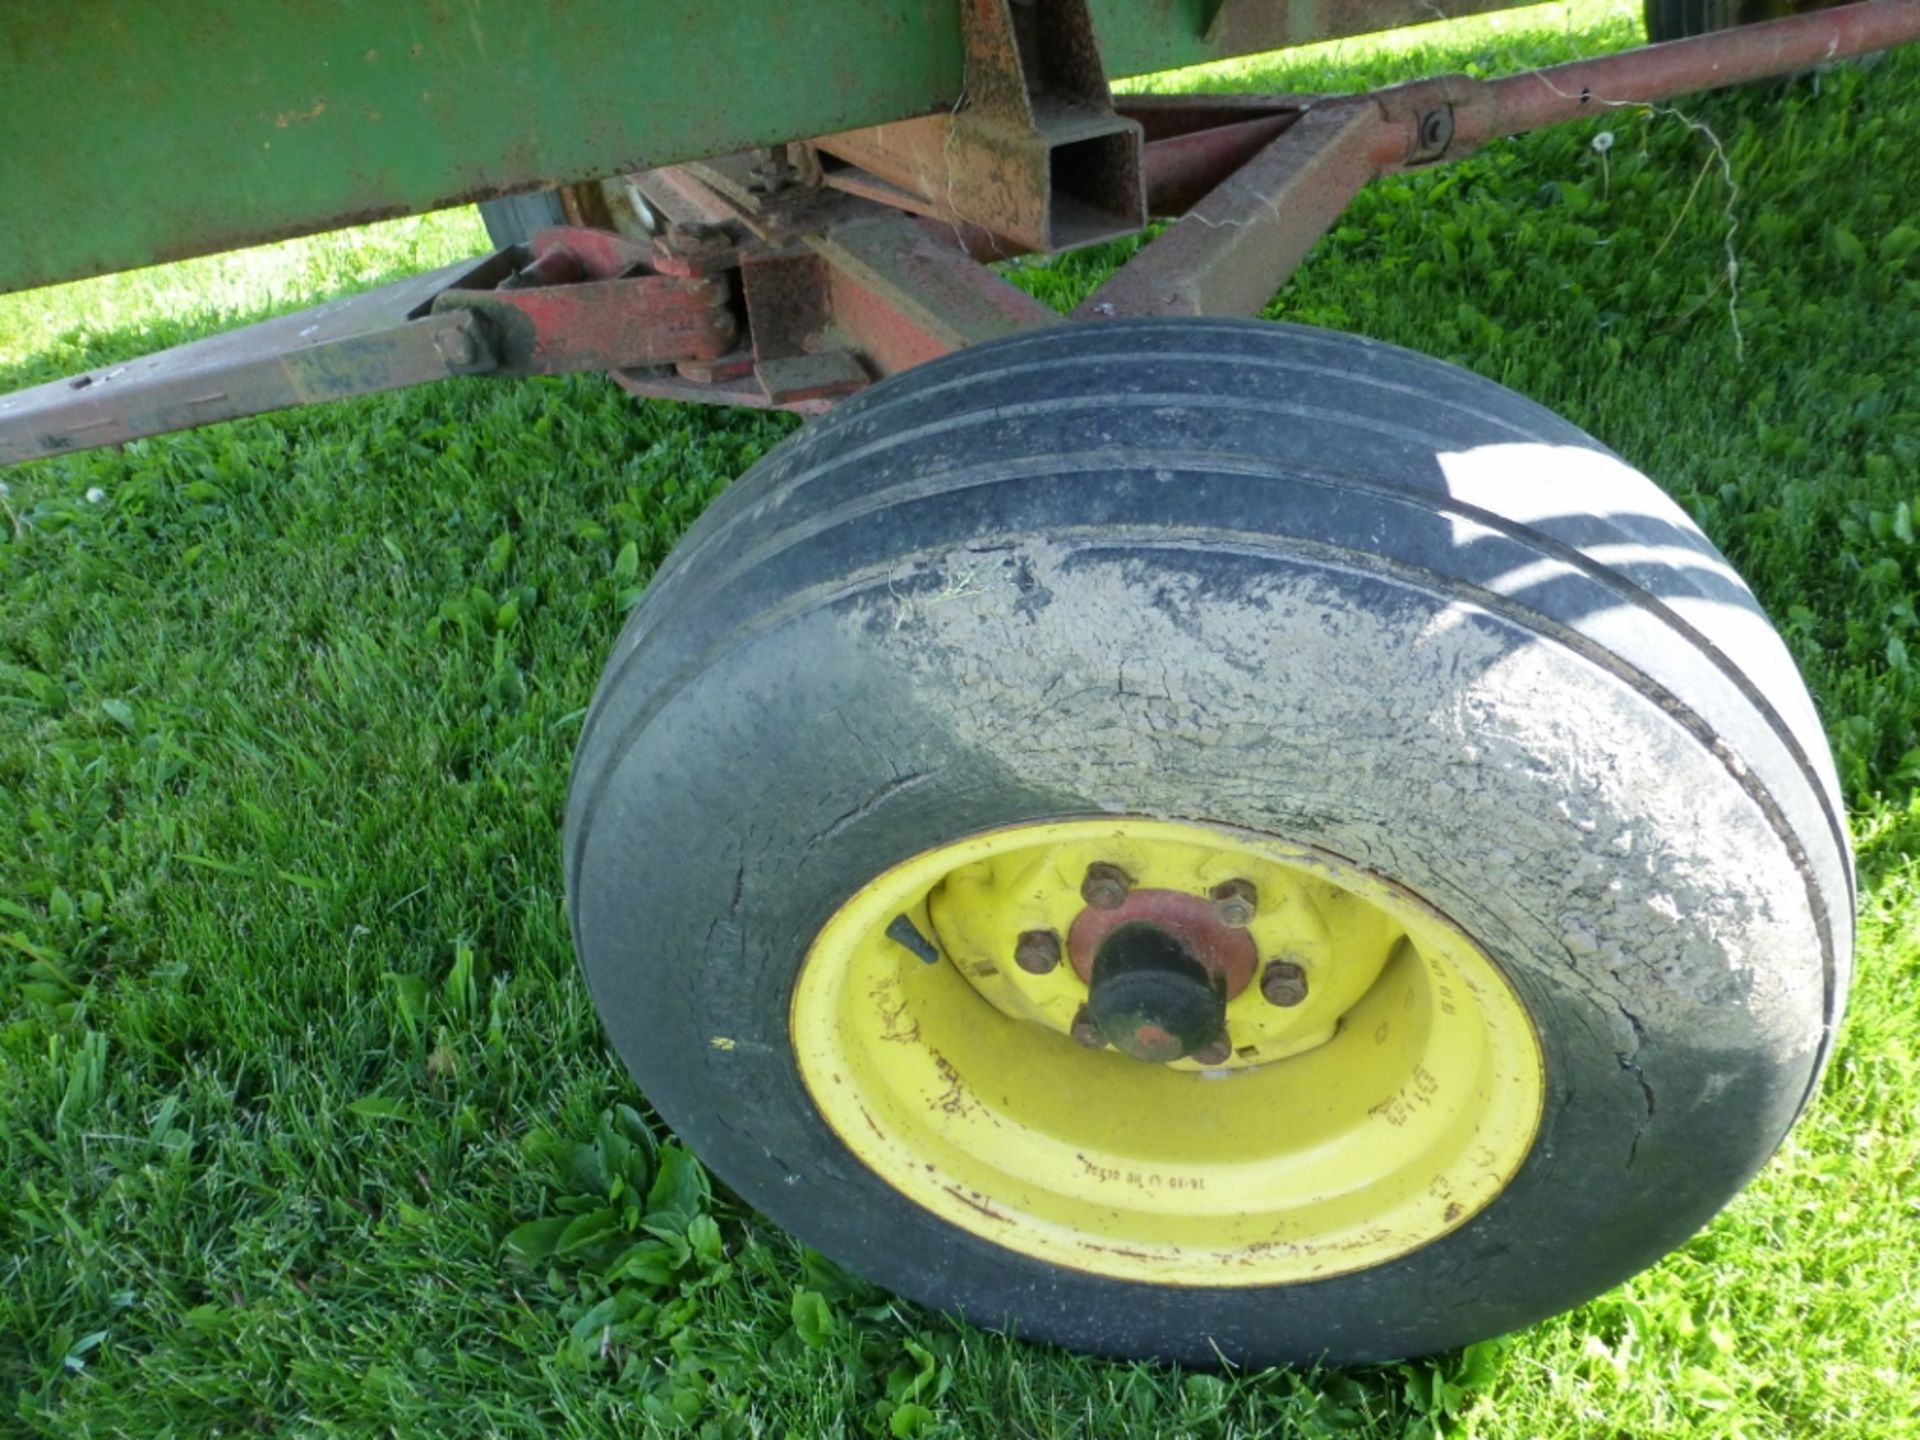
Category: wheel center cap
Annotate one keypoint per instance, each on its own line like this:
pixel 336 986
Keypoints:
pixel 1151 996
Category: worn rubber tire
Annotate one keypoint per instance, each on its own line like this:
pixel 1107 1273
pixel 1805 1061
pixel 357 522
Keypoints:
pixel 1299 581
pixel 512 219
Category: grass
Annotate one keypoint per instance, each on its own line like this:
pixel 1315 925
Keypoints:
pixel 306 1125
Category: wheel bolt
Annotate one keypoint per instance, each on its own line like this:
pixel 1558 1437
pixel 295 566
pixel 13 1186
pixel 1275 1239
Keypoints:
pixel 1037 951
pixel 1218 1052
pixel 1106 886
pixel 1085 1032
pixel 1283 983
pixel 1234 902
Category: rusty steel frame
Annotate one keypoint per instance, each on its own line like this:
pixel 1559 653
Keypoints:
pixel 1236 246
pixel 572 300
pixel 792 278
pixel 1033 141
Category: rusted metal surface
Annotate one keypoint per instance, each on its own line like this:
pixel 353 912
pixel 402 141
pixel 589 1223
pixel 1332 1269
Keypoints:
pixel 978 241
pixel 600 324
pixel 836 290
pixel 1235 248
pixel 355 345
pixel 902 297
pixel 1235 902
pixel 1031 150
pixel 676 197
pixel 1085 1031
pixel 595 303
pixel 1164 117
pixel 1037 952
pixel 1194 142
pixel 592 254
pixel 822 376
pixel 1181 170
pixel 688 248
pixel 1105 886
pixel 599 310
pixel 1284 983
pixel 743 184
pixel 1237 245
pixel 1226 951
pixel 732 390
pixel 1217 1052
pixel 1486 110
pixel 797 355
pixel 786 294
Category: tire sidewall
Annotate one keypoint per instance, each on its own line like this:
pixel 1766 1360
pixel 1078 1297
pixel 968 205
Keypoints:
pixel 1503 778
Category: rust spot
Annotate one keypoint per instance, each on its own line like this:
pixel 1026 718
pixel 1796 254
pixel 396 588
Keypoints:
pixel 975 1203
pixel 1227 952
pixel 300 117
pixel 1452 1212
pixel 956 1100
pixel 890 1018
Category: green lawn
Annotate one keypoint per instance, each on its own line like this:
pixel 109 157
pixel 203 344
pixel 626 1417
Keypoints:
pixel 291 1038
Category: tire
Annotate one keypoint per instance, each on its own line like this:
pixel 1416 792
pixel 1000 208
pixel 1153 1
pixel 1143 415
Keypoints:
pixel 1679 19
pixel 512 219
pixel 1267 579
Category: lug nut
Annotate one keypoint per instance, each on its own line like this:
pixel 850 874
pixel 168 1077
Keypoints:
pixel 1234 902
pixel 1037 951
pixel 1217 1052
pixel 457 348
pixel 1106 886
pixel 1283 983
pixel 1085 1032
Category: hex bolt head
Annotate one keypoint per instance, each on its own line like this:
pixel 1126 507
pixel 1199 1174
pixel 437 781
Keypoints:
pixel 1217 1053
pixel 773 171
pixel 1235 902
pixel 1037 951
pixel 1085 1032
pixel 456 347
pixel 1106 886
pixel 1283 983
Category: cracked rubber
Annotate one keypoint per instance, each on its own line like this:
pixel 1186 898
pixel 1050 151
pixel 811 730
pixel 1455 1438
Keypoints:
pixel 1288 579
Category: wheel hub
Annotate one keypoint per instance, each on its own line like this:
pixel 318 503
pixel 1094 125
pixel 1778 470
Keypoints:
pixel 1151 997
pixel 1160 965
pixel 1079 1124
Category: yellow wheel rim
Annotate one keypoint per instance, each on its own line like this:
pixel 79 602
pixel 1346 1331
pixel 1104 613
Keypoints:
pixel 1380 1112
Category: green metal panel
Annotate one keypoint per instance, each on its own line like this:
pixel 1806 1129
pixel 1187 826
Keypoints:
pixel 135 131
